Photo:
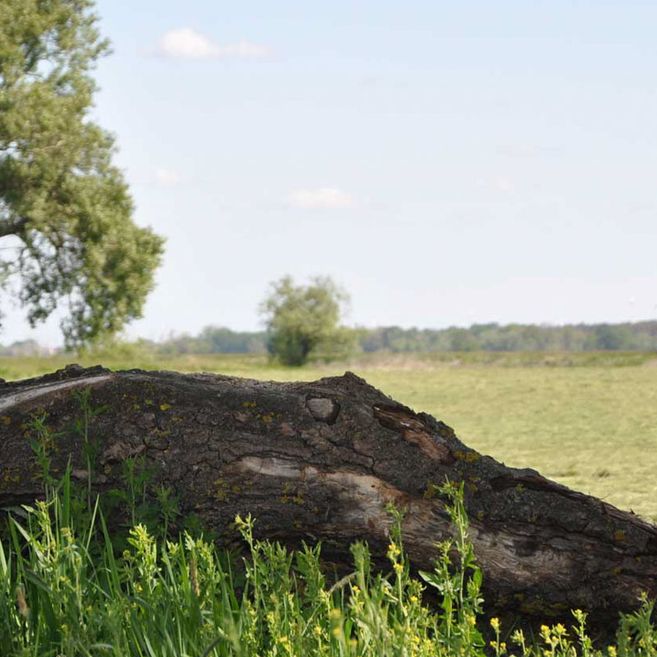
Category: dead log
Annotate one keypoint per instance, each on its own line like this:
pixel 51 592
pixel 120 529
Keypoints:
pixel 320 461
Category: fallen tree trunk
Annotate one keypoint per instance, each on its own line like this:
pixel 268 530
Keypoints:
pixel 320 461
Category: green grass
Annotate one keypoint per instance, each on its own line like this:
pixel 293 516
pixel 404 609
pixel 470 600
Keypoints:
pixel 588 420
pixel 65 591
pixel 591 428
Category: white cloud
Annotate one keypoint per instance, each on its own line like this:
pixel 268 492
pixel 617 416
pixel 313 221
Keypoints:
pixel 504 184
pixel 167 177
pixel 187 43
pixel 320 198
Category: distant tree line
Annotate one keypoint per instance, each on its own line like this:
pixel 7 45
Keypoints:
pixel 24 348
pixel 639 336
pixel 215 340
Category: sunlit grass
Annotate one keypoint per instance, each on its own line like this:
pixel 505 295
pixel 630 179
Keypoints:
pixel 64 591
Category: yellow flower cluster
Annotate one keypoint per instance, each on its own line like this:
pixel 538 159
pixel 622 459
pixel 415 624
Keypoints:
pixel 393 551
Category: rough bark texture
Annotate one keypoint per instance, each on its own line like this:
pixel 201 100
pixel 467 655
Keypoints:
pixel 320 461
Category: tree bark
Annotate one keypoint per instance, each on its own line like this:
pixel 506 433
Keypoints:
pixel 321 461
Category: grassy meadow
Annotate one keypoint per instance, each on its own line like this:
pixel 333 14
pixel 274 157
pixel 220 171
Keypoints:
pixel 588 420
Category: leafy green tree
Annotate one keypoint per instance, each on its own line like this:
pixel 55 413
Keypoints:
pixel 303 320
pixel 65 209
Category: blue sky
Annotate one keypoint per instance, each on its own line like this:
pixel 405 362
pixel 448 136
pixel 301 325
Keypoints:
pixel 446 162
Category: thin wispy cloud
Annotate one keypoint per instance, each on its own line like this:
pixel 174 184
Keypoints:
pixel 322 198
pixel 504 184
pixel 188 43
pixel 167 177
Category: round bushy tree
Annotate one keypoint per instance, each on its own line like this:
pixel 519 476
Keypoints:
pixel 304 320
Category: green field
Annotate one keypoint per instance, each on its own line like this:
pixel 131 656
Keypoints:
pixel 586 420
